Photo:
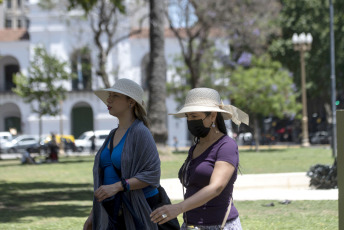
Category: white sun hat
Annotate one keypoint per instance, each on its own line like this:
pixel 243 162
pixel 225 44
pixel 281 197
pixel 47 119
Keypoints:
pixel 208 100
pixel 126 87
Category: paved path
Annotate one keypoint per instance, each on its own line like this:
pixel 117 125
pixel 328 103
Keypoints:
pixel 279 186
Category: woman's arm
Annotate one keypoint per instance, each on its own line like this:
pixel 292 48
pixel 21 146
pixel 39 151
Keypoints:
pixel 88 222
pixel 220 177
pixel 106 191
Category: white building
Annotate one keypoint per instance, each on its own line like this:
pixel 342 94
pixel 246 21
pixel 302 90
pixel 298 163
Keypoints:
pixel 62 34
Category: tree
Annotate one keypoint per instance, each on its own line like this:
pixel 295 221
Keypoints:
pixel 263 89
pixel 249 25
pixel 241 25
pixel 311 16
pixel 193 34
pixel 212 75
pixel 105 17
pixel 157 73
pixel 43 86
pixel 105 20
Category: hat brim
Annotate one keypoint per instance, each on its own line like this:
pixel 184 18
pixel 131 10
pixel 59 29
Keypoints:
pixel 103 95
pixel 188 109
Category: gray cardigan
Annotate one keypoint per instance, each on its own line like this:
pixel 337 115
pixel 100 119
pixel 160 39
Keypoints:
pixel 140 159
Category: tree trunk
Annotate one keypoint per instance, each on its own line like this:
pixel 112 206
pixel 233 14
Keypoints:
pixel 256 133
pixel 157 112
pixel 102 59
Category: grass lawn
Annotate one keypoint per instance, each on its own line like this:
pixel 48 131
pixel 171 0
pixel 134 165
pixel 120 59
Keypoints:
pixel 264 161
pixel 58 196
pixel 301 215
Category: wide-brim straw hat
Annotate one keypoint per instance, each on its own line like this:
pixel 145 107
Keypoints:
pixel 208 100
pixel 126 87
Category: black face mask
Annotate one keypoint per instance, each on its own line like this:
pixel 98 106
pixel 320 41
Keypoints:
pixel 197 128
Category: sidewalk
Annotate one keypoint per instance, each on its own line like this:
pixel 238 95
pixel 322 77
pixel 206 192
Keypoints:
pixel 279 186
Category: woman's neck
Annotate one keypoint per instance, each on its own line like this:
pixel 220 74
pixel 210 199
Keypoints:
pixel 212 136
pixel 125 122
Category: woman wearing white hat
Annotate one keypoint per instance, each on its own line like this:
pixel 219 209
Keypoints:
pixel 210 170
pixel 126 178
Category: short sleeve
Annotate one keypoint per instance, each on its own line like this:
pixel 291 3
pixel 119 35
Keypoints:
pixel 228 152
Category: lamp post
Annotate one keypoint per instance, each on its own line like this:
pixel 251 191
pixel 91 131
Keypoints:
pixel 303 43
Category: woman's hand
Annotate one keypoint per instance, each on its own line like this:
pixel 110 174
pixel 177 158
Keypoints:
pixel 88 223
pixel 165 213
pixel 106 191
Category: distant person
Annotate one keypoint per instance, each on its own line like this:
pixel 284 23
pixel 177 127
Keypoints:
pixel 210 170
pixel 93 144
pixel 126 166
pixel 53 149
pixel 27 158
pixel 175 143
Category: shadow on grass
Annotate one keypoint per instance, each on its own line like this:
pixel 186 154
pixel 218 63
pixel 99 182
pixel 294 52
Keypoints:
pixel 19 200
pixel 74 161
pixel 42 161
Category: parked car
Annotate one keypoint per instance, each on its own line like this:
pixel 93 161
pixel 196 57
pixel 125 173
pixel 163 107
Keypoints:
pixel 19 143
pixel 84 141
pixel 4 137
pixel 245 138
pixel 320 137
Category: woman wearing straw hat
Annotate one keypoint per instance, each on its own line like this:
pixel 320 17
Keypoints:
pixel 210 170
pixel 126 178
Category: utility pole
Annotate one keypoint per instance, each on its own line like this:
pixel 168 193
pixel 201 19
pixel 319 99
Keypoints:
pixel 333 86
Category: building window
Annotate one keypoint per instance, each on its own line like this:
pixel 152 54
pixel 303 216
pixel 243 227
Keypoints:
pixel 19 3
pixel 27 23
pixel 9 4
pixel 19 23
pixel 8 23
pixel 10 70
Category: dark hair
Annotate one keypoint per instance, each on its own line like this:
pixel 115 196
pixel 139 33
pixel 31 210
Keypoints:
pixel 219 122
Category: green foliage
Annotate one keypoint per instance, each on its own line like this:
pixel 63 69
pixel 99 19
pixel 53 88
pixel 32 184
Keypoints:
pixel 311 16
pixel 42 87
pixel 211 75
pixel 47 4
pixel 263 89
pixel 87 5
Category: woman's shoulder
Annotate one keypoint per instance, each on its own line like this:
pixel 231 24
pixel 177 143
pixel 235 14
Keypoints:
pixel 227 141
pixel 139 128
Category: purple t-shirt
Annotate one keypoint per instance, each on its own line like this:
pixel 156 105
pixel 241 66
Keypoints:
pixel 200 171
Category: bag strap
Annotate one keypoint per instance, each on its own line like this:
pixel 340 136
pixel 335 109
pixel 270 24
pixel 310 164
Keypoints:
pixel 227 214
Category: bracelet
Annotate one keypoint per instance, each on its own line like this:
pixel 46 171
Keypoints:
pixel 125 185
pixel 128 185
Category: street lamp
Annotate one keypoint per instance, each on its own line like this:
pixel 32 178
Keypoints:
pixel 303 43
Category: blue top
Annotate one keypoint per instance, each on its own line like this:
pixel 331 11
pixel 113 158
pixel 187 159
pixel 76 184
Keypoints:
pixel 110 175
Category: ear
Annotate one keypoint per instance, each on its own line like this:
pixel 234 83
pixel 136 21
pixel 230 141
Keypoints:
pixel 213 116
pixel 132 102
